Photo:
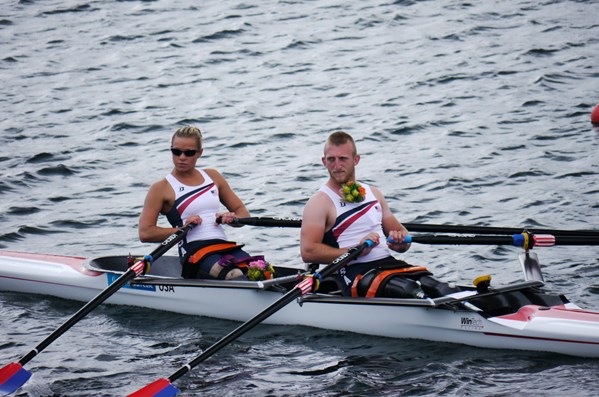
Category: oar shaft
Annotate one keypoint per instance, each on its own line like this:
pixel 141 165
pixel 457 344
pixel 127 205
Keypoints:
pixel 459 240
pixel 518 240
pixel 431 228
pixel 273 222
pixel 269 311
pixel 102 296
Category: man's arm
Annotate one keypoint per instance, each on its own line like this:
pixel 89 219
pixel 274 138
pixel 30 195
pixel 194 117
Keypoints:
pixel 392 227
pixel 315 220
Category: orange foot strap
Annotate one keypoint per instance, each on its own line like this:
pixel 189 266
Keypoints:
pixel 379 278
pixel 200 254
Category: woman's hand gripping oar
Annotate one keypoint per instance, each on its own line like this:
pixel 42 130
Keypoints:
pixel 13 375
pixel 164 388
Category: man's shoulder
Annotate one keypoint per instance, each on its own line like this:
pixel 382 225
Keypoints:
pixel 377 193
pixel 320 196
pixel 319 204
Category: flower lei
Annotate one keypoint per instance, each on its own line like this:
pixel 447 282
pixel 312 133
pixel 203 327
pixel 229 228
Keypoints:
pixel 352 192
pixel 260 270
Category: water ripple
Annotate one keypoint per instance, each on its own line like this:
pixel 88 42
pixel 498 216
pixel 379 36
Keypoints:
pixel 464 113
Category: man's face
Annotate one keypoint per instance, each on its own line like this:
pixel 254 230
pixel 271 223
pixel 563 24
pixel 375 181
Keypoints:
pixel 340 162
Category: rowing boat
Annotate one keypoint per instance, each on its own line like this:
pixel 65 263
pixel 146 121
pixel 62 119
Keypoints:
pixel 517 316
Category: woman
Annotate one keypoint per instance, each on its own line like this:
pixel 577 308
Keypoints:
pixel 192 195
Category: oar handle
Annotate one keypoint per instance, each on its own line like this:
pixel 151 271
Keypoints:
pixel 344 259
pixel 171 241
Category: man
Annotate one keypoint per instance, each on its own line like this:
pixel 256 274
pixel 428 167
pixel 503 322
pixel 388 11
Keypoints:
pixel 343 214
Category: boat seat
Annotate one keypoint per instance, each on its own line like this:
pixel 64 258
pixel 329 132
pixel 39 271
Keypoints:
pixel 165 266
pixel 330 285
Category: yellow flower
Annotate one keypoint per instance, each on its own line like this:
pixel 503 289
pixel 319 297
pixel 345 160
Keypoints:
pixel 352 192
pixel 260 270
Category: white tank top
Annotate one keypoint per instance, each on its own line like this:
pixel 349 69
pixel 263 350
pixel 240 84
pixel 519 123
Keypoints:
pixel 354 221
pixel 196 200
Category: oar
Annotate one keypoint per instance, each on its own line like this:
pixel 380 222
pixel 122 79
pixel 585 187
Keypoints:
pixel 430 228
pixel 163 387
pixel 266 221
pixel 524 240
pixel 13 375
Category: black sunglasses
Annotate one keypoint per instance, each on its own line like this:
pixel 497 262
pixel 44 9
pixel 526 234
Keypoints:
pixel 188 153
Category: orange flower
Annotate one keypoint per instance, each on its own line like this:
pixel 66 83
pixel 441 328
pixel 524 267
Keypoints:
pixel 260 270
pixel 352 192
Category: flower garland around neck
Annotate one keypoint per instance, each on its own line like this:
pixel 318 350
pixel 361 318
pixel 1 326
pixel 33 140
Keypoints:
pixel 260 270
pixel 352 192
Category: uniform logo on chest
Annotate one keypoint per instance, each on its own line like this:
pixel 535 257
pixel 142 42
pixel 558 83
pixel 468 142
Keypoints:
pixel 182 188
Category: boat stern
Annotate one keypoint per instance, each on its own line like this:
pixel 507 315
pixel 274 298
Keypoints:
pixel 562 329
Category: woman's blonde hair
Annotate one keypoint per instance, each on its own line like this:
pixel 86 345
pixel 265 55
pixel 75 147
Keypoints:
pixel 189 131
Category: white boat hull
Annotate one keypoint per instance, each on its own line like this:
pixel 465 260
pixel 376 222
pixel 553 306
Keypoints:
pixel 561 329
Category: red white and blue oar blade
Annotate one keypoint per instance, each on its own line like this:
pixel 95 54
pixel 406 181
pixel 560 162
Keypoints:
pixel 160 388
pixel 12 377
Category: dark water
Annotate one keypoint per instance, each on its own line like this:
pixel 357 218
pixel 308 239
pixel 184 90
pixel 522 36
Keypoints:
pixel 464 113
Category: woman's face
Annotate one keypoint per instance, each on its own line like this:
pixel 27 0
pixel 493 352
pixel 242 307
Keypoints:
pixel 185 153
